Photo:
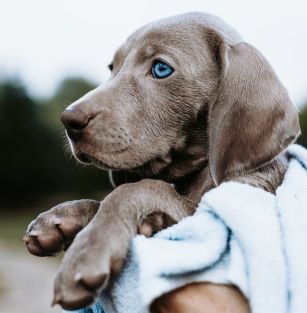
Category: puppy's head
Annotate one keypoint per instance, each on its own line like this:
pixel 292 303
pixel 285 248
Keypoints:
pixel 175 80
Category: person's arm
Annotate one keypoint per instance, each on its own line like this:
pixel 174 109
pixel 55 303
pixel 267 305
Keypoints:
pixel 202 298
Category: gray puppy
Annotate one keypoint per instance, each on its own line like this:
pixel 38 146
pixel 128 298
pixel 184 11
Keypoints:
pixel 188 106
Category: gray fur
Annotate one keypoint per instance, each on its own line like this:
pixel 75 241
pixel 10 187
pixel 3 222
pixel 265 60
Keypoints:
pixel 222 115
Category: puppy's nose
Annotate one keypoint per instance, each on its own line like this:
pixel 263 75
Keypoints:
pixel 75 121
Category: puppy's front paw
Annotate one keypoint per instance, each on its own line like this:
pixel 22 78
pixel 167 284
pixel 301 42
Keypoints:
pixel 54 230
pixel 86 268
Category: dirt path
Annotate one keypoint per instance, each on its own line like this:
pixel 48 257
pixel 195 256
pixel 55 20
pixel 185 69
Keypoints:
pixel 25 281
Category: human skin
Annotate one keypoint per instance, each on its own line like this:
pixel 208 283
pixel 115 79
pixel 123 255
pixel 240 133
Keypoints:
pixel 202 298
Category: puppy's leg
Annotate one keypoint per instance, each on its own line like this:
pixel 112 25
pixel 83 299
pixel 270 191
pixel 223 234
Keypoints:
pixel 100 249
pixel 55 229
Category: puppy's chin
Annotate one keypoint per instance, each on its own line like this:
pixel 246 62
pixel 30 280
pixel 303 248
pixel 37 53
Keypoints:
pixel 111 160
pixel 83 158
pixel 122 160
pixel 101 164
pixel 87 159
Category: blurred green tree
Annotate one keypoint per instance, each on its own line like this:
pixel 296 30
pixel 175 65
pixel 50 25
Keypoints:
pixel 303 123
pixel 32 140
pixel 23 147
pixel 83 180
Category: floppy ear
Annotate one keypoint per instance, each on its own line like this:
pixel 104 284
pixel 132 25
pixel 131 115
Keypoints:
pixel 252 119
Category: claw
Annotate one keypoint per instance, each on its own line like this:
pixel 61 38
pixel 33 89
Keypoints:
pixel 56 300
pixel 34 233
pixel 146 230
pixel 78 277
pixel 56 221
pixel 25 238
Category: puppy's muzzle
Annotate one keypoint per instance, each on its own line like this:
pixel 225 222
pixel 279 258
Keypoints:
pixel 75 122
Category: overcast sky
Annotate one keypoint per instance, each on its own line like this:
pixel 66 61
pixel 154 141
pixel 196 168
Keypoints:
pixel 43 41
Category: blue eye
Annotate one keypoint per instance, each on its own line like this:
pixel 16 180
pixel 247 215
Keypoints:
pixel 161 70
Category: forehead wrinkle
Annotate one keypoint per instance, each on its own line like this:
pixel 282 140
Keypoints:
pixel 144 46
pixel 164 50
pixel 149 53
pixel 146 52
pixel 119 55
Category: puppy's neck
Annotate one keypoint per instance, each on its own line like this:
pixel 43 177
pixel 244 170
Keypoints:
pixel 189 173
pixel 186 168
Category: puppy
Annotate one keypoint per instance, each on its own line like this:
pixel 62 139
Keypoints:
pixel 189 105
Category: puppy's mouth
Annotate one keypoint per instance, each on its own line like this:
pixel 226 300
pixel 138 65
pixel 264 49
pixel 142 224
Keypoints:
pixel 123 158
pixel 90 159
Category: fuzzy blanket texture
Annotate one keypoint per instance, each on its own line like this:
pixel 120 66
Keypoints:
pixel 239 235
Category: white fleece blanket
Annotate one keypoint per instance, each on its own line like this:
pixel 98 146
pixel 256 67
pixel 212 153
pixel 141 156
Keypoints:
pixel 239 235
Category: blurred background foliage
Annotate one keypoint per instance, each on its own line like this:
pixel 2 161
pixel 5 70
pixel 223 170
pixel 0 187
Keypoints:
pixel 34 165
pixel 303 122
